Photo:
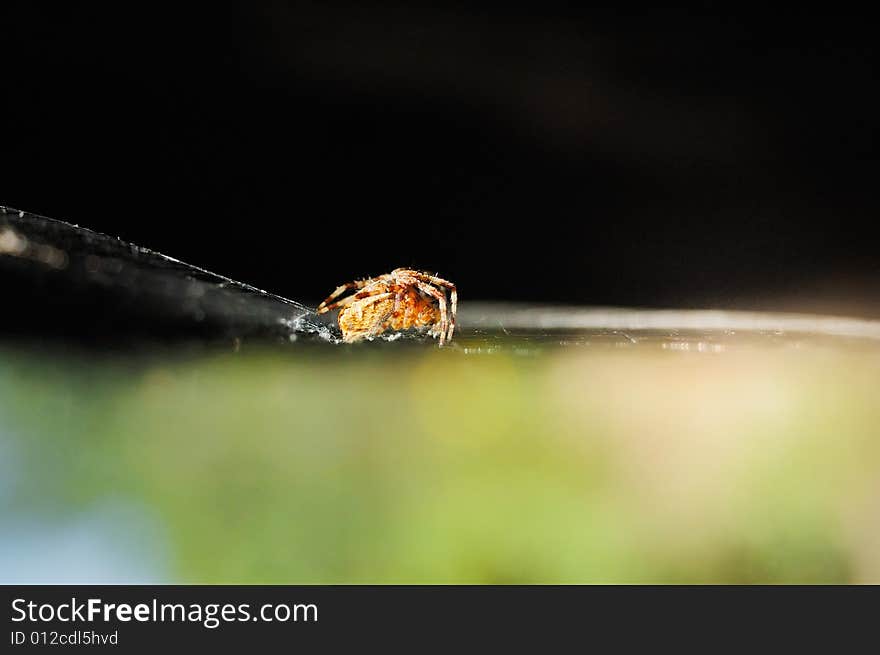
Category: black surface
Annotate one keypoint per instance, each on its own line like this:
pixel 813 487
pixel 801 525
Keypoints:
pixel 64 280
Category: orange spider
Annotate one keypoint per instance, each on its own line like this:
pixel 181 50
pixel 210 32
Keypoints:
pixel 398 300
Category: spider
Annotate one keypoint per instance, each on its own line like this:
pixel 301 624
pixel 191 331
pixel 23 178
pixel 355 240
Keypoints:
pixel 399 300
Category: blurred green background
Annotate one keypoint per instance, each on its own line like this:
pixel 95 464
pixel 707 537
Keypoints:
pixel 747 460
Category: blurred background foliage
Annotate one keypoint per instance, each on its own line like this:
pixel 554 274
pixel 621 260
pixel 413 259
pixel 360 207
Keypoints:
pixel 745 463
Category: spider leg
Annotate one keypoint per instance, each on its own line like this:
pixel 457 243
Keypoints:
pixel 374 293
pixel 441 299
pixel 382 325
pixel 399 297
pixel 372 288
pixel 425 277
pixel 356 284
pixel 439 282
pixel 407 313
pixel 454 297
pixel 336 305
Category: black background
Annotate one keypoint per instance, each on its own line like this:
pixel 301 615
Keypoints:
pixel 661 158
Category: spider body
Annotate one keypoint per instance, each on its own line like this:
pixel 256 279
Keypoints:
pixel 399 300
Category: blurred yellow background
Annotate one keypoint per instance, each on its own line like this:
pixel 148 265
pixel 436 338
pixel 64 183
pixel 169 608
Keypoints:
pixel 744 461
